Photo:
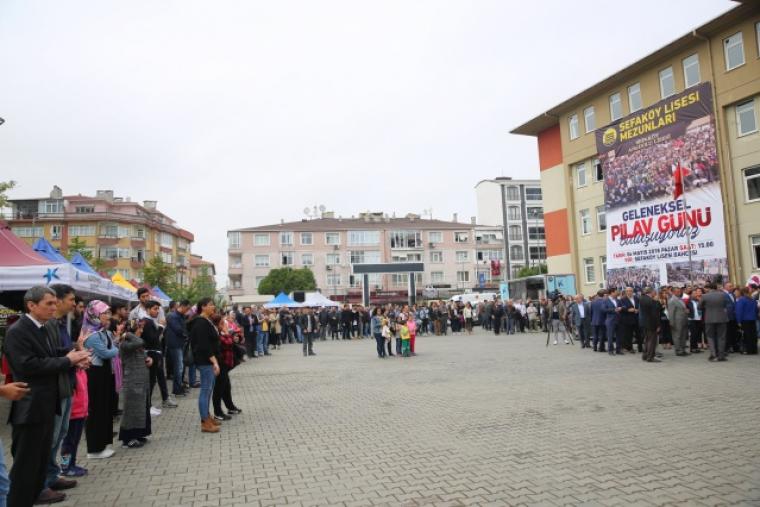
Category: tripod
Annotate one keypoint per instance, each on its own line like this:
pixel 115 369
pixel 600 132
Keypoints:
pixel 568 333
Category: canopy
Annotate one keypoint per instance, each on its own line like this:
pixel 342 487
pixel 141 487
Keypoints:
pixel 318 299
pixel 15 252
pixel 282 299
pixel 48 251
pixel 81 264
pixel 161 294
pixel 122 282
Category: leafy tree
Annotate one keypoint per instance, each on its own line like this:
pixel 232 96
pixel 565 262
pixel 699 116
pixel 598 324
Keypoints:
pixel 77 245
pixel 158 273
pixel 287 280
pixel 4 187
pixel 532 271
pixel 202 286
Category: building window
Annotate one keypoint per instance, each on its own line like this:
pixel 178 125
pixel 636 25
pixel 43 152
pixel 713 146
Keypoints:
pixel 333 280
pixel 27 232
pixel 235 260
pixel 634 98
pixel 84 209
pixel 261 239
pixel 616 107
pixel 752 183
pixel 603 264
pixel 307 238
pixel 513 194
pixel 601 218
pixel 76 231
pixel 585 222
pixel 286 238
pixel 332 259
pixel 537 253
pixel 535 213
pixel 691 71
pixel 589 119
pixel 463 255
pixel 261 261
pixel 363 238
pixel 332 238
pixel 745 118
pixel 461 237
pixel 513 213
pixel 532 193
pixel 365 257
pixel 667 83
pixel 54 206
pixel 573 121
pixel 755 244
pixel 140 234
pixel 598 170
pixel 435 237
pixel 734 51
pixel 490 255
pixel 515 233
pixel 307 259
pixel 436 277
pixel 286 259
pixel 516 253
pixel 588 270
pixel 463 276
pixel 406 239
pixel 536 233
pixel 580 171
pixel 233 239
pixel 55 231
pixel 436 257
pixel 167 240
pixel 407 257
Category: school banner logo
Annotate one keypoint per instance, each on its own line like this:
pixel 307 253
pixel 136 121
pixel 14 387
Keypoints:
pixel 664 208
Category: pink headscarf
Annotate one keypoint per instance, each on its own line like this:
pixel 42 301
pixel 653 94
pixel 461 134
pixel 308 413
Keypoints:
pixel 92 314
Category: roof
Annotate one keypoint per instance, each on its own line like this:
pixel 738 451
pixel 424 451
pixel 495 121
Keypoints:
pixel 502 180
pixel 550 117
pixel 357 224
pixel 15 251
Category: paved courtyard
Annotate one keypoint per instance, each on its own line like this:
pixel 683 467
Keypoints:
pixel 472 420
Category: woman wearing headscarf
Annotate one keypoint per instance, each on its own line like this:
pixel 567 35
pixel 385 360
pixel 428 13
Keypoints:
pixel 100 379
pixel 135 421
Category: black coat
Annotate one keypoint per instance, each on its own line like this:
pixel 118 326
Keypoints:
pixel 34 359
pixel 650 310
pixel 204 340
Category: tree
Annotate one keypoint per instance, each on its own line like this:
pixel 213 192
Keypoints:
pixel 532 271
pixel 156 273
pixel 4 187
pixel 287 280
pixel 202 286
pixel 77 245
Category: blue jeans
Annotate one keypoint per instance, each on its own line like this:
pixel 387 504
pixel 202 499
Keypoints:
pixel 191 376
pixel 60 429
pixel 262 342
pixel 178 370
pixel 5 483
pixel 299 334
pixel 207 389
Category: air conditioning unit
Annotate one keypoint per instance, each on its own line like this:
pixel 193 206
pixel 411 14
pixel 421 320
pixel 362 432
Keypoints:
pixel 336 247
pixel 431 245
pixel 328 268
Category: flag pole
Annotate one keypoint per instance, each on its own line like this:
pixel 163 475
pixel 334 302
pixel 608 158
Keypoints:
pixel 679 168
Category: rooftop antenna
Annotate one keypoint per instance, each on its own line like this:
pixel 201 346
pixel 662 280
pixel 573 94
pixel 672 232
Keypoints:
pixel 313 212
pixel 428 212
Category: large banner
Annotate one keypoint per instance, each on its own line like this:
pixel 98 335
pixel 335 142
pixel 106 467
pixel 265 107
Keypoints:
pixel 662 194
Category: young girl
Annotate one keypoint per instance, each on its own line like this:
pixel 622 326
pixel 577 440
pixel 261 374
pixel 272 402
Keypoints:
pixel 404 333
pixel 79 407
pixel 412 325
pixel 386 332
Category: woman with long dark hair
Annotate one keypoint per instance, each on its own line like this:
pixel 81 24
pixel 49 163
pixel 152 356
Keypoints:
pixel 222 385
pixel 204 340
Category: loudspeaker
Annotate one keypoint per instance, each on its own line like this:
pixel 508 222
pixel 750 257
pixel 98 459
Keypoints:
pixel 299 296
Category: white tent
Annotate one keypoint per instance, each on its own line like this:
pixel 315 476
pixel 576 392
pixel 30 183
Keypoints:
pixel 317 299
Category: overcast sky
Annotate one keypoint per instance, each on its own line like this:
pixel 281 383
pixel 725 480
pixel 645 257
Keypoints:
pixel 240 113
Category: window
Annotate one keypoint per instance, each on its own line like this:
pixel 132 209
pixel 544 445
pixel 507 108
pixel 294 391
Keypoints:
pixel 537 253
pixel 601 218
pixel 461 237
pixel 603 264
pixel 436 277
pixel 27 232
pixel 513 194
pixel 286 238
pixel 734 51
pixel 516 253
pixel 261 261
pixel 332 238
pixel 755 244
pixel 745 118
pixel 585 222
pixel 139 255
pixel 235 261
pixel 84 209
pixel 515 233
pixel 573 121
pixel 598 170
pixel 286 259
pixel 364 238
pixel 435 237
pixel 307 259
pixel 307 238
pixel 634 98
pixel 112 253
pixel 140 234
pixel 513 213
pixel 166 239
pixel 76 231
pixel 436 257
pixel 332 259
pixel 667 83
pixel 406 239
pixel 463 276
pixel 463 255
pixel 261 239
pixel 588 270
pixel 55 231
pixel 127 274
pixel 580 171
pixel 752 182
pixel 333 280
pixel 407 257
pixel 536 233
pixel 691 71
pixel 533 193
pixel 490 255
pixel 166 257
pixel 616 106
pixel 365 257
pixel 589 119
pixel 535 212
pixel 109 231
pixel 54 206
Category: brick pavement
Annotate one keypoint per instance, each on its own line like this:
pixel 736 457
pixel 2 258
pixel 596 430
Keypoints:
pixel 472 420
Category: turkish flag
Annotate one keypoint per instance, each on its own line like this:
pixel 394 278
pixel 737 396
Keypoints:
pixel 495 267
pixel 679 173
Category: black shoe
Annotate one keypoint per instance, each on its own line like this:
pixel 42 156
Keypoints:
pixel 312 354
pixel 223 417
pixel 655 360
pixel 722 359
pixel 712 358
pixel 235 411
pixel 696 351
pixel 61 484
pixel 268 354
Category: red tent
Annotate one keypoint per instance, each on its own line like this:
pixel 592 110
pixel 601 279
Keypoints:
pixel 15 252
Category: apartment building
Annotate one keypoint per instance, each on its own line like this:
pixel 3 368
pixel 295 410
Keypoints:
pixel 330 246
pixel 122 233
pixel 723 57
pixel 516 208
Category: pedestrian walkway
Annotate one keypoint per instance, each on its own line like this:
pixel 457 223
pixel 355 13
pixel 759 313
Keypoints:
pixel 472 420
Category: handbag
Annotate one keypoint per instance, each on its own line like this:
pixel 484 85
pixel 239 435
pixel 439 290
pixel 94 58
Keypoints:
pixel 187 355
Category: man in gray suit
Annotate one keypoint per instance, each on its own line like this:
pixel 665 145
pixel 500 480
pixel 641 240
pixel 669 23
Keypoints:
pixel 714 307
pixel 679 321
pixel 581 315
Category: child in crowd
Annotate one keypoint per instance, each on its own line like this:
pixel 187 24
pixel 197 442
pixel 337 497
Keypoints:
pixel 405 336
pixel 412 325
pixel 79 407
pixel 388 335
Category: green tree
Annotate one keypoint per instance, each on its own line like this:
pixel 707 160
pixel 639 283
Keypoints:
pixel 532 271
pixel 157 273
pixel 202 286
pixel 77 245
pixel 287 280
pixel 4 187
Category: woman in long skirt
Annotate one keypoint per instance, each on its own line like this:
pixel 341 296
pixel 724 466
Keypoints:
pixel 100 380
pixel 135 421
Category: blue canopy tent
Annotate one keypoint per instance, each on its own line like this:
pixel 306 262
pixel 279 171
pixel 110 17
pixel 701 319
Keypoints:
pixel 282 299
pixel 161 294
pixel 81 264
pixel 48 251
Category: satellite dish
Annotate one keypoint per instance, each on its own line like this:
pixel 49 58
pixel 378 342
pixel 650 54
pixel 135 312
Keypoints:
pixel 306 211
pixel 2 121
pixel 322 208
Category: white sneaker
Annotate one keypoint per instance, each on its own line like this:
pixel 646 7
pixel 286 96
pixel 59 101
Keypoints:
pixel 155 411
pixel 105 453
pixel 555 342
pixel 567 342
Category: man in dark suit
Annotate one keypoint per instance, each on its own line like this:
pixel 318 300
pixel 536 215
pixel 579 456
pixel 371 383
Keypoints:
pixel 310 326
pixel 733 341
pixel 34 359
pixel 581 314
pixel 597 320
pixel 714 307
pixel 649 309
pixel 629 319
pixel 611 321
pixel 249 331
